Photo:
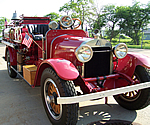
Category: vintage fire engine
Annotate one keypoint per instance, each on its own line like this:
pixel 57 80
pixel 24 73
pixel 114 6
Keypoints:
pixel 62 58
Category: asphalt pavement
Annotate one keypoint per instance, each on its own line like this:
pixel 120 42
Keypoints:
pixel 21 104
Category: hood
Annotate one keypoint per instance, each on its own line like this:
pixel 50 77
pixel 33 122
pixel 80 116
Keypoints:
pixel 66 46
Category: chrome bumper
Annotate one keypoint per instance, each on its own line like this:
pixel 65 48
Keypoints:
pixel 86 97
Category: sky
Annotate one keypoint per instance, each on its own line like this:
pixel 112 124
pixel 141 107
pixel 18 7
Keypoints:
pixel 43 7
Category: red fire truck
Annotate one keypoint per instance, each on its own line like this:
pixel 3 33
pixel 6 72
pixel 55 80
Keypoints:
pixel 59 57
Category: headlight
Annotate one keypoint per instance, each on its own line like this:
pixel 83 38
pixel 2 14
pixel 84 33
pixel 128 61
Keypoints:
pixel 84 53
pixel 120 50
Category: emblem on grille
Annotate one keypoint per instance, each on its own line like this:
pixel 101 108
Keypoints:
pixel 98 43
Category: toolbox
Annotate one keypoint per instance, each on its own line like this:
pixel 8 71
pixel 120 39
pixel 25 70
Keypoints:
pixel 29 72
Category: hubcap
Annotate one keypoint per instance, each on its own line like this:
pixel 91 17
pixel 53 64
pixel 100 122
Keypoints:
pixel 50 88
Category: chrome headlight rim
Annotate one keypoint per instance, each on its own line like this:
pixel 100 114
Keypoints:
pixel 81 47
pixel 118 48
pixel 53 25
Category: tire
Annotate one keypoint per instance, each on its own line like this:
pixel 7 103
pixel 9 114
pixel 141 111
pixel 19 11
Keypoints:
pixel 137 99
pixel 66 114
pixel 11 72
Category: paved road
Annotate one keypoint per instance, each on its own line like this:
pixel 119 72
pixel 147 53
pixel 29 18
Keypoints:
pixel 142 51
pixel 22 105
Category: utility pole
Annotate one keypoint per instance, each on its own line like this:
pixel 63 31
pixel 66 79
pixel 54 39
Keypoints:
pixel 142 38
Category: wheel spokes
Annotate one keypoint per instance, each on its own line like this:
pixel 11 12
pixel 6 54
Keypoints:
pixel 54 107
pixel 131 96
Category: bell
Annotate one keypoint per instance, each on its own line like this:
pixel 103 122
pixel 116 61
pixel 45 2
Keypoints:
pixel 15 16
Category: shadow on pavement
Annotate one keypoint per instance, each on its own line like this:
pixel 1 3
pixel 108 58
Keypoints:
pixel 96 114
pixel 114 122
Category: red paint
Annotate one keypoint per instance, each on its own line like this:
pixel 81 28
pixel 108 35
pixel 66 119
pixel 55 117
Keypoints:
pixel 64 69
pixel 63 41
pixel 13 56
pixel 141 59
pixel 128 64
pixel 36 20
pixel 114 76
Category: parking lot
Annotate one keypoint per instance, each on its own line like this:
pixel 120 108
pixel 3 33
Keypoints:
pixel 21 104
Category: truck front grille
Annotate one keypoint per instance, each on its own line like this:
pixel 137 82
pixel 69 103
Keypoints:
pixel 100 64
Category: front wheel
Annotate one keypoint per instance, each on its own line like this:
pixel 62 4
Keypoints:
pixel 137 99
pixel 58 114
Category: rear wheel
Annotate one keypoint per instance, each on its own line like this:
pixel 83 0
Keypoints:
pixel 58 114
pixel 11 72
pixel 137 99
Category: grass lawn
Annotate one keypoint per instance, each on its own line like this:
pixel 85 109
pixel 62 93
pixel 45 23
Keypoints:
pixel 145 45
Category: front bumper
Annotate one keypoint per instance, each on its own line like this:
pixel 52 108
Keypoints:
pixel 86 97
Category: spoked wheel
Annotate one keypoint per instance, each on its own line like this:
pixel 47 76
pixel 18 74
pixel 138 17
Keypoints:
pixel 137 99
pixel 11 72
pixel 52 85
pixel 49 89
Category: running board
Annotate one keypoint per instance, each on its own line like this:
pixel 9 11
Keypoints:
pixel 86 97
pixel 21 76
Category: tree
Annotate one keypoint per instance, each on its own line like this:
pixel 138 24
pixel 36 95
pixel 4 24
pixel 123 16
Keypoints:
pixel 107 17
pixel 90 1
pixel 112 19
pixel 2 21
pixel 97 19
pixel 133 20
pixel 67 7
pixel 54 16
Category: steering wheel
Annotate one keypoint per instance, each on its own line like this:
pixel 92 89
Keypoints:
pixel 67 21
pixel 77 25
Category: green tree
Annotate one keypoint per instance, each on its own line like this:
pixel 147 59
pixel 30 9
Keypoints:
pixel 90 1
pixel 112 19
pixel 133 20
pixel 67 7
pixel 54 16
pixel 99 19
pixel 2 22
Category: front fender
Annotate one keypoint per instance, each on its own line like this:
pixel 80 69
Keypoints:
pixel 128 64
pixel 13 56
pixel 141 59
pixel 127 67
pixel 64 69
